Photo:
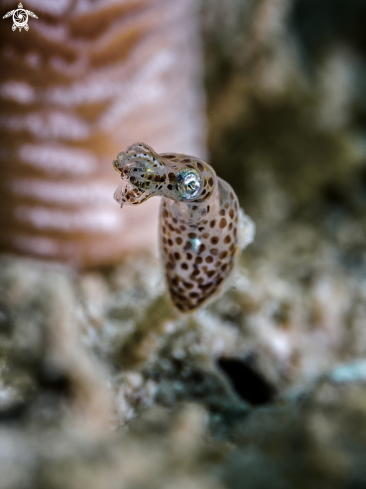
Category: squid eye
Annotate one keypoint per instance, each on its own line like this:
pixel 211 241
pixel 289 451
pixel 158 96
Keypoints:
pixel 189 184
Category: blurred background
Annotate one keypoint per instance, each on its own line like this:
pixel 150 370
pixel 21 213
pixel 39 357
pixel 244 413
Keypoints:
pixel 102 383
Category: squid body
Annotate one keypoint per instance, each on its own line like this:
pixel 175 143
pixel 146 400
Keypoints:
pixel 202 228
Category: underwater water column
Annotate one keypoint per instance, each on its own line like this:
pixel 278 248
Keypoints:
pixel 86 80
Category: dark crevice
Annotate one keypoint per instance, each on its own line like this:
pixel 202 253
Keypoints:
pixel 56 382
pixel 13 413
pixel 247 382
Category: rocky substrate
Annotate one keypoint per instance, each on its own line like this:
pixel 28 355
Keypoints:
pixel 103 384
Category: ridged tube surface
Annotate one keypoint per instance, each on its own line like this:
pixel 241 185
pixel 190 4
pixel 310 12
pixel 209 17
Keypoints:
pixel 87 79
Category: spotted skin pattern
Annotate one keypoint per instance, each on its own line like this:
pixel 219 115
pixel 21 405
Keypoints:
pixel 199 219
